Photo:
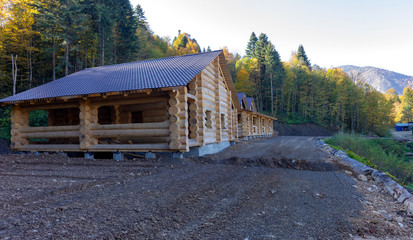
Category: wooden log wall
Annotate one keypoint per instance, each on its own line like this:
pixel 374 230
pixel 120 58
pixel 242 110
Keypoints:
pixel 178 111
pixel 19 120
pixel 217 93
pixel 217 115
pixel 196 119
pixel 251 124
pixel 88 115
pixel 209 104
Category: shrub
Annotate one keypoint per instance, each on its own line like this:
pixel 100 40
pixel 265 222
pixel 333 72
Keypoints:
pixel 388 155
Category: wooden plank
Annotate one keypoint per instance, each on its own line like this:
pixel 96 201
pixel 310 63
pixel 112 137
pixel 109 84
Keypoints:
pixel 155 125
pixel 59 134
pixel 130 133
pixel 130 101
pixel 63 105
pixel 130 147
pixel 146 106
pixel 49 129
pixel 50 147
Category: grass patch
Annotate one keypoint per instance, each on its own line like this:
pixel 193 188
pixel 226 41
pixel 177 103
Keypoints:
pixel 383 154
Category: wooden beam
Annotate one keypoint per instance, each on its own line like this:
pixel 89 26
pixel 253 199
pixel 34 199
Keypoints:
pixel 51 147
pixel 59 134
pixel 130 126
pixel 130 133
pixel 49 129
pixel 131 147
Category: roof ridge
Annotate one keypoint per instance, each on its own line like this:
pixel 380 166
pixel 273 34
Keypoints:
pixel 153 59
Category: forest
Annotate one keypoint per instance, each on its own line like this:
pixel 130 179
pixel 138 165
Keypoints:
pixel 43 40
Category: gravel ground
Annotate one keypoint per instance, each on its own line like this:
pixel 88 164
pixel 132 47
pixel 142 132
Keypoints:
pixel 266 189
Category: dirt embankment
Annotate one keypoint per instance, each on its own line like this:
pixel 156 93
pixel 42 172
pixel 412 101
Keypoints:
pixel 305 129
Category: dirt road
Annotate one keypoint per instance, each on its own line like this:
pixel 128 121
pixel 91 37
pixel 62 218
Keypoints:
pixel 278 188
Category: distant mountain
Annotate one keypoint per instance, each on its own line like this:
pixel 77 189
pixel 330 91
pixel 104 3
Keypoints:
pixel 381 79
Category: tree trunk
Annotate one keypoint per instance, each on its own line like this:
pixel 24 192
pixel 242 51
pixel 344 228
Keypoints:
pixel 54 57
pixel 30 64
pixel 103 49
pixel 14 72
pixel 86 58
pixel 67 60
pixel 272 97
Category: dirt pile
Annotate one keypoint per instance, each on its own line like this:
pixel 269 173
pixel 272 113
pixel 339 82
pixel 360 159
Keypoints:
pixel 306 129
pixel 277 162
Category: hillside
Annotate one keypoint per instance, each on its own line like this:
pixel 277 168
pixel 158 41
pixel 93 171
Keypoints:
pixel 380 79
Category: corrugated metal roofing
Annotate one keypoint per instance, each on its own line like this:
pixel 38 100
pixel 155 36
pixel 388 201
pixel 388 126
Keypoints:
pixel 240 97
pixel 148 74
pixel 249 102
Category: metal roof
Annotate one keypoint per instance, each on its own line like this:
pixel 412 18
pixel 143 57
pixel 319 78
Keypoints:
pixel 147 74
pixel 249 102
pixel 241 96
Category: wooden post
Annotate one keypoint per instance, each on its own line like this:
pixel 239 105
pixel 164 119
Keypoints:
pixel 178 111
pixel 88 116
pixel 19 119
pixel 230 117
pixel 217 102
pixel 193 111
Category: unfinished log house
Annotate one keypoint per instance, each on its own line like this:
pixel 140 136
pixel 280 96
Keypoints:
pixel 251 123
pixel 170 104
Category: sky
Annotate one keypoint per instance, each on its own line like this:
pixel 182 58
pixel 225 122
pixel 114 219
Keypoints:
pixel 376 33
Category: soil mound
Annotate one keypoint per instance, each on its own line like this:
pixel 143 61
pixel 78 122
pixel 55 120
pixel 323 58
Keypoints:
pixel 279 162
pixel 306 129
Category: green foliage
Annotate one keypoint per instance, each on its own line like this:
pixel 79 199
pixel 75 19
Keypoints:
pixel 292 118
pixel 384 154
pixel 302 57
pixel 38 118
pixel 295 93
pixel 53 38
pixel 251 45
pixel 5 127
pixel 184 44
pixel 409 145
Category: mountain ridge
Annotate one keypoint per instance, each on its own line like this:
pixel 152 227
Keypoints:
pixel 379 78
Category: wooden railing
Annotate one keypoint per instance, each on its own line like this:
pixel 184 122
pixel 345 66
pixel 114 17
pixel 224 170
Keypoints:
pixel 149 131
pixel 50 132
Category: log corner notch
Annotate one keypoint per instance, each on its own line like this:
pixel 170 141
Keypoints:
pixel 88 116
pixel 178 110
pixel 19 119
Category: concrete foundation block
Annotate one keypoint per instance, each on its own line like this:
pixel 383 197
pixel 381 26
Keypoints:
pixel 177 155
pixel 89 155
pixel 118 156
pixel 207 149
pixel 150 155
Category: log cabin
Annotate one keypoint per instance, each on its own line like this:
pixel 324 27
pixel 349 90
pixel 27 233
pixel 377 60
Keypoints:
pixel 252 124
pixel 172 104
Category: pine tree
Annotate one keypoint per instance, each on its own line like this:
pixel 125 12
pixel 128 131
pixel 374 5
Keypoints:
pixel 251 45
pixel 141 18
pixel 302 56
